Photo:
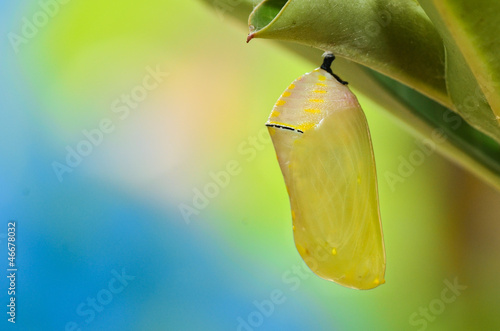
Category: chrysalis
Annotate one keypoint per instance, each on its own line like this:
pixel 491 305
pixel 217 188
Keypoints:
pixel 324 149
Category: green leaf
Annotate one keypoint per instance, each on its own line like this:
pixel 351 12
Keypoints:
pixel 423 114
pixel 469 31
pixel 396 39
pixel 476 30
pixel 463 143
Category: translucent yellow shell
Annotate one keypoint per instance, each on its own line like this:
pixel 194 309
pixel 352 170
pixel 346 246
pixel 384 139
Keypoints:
pixel 324 149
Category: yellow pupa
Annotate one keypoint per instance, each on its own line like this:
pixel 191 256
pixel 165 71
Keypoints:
pixel 324 149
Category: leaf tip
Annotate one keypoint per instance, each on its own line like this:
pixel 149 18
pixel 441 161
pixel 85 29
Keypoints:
pixel 250 36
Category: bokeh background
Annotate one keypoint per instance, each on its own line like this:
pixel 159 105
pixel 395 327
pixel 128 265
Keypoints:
pixel 118 210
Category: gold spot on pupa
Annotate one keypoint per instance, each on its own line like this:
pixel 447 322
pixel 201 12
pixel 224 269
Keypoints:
pixel 280 102
pixel 293 227
pixel 316 100
pixel 311 110
pixel 286 94
pixel 321 84
pixel 334 251
pixel 291 87
pixel 275 113
pixel 306 126
pixel 321 77
pixel 302 250
pixel 319 91
pixel 376 281
pixel 359 180
pixel 293 218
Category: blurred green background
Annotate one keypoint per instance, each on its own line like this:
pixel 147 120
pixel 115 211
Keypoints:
pixel 119 209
